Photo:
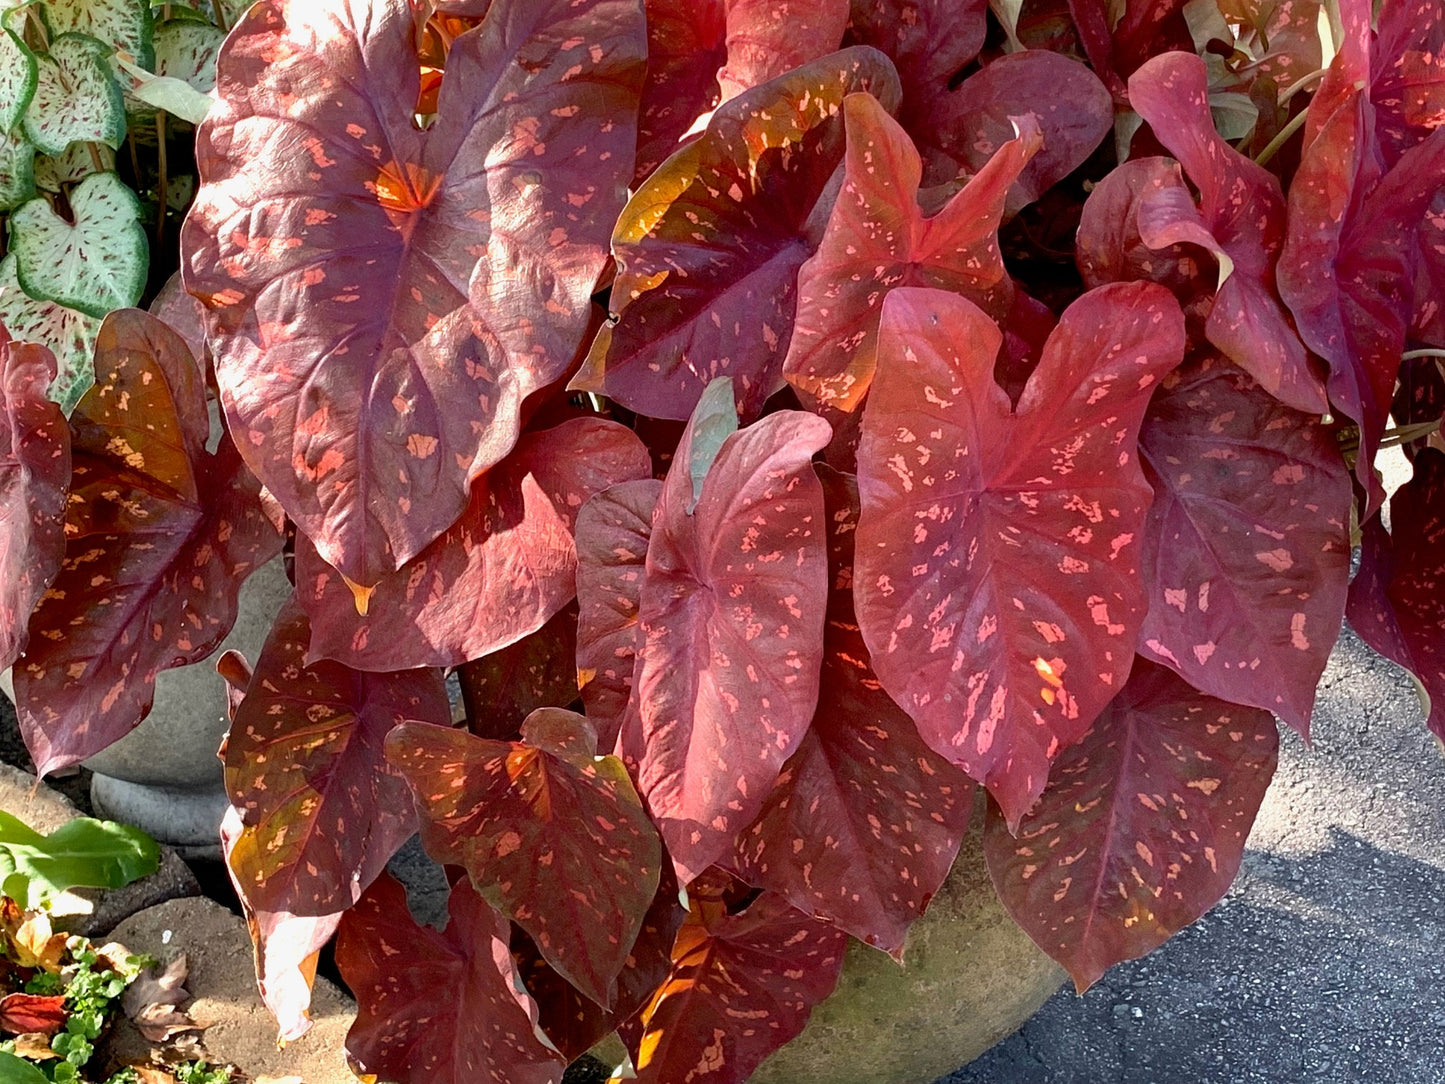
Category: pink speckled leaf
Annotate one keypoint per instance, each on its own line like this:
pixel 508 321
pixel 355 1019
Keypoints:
pixel 1120 36
pixel 1428 323
pixel 1247 555
pixel 731 617
pixel 768 38
pixel 997 580
pixel 34 480
pixel 1283 37
pixel 381 298
pixel 438 1006
pixel 864 821
pixel 686 45
pixel 1408 86
pixel 322 811
pixel 1241 214
pixel 964 128
pixel 612 533
pixel 1109 248
pixel 160 535
pixel 553 834
pixel 708 248
pixel 1397 599
pixel 878 238
pixel 502 688
pixel 1141 830
pixel 929 41
pixel 769 965
pixel 500 572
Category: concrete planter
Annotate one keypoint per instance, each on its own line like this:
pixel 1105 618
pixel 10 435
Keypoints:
pixel 970 978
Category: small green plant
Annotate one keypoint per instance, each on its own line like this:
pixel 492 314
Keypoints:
pixel 85 852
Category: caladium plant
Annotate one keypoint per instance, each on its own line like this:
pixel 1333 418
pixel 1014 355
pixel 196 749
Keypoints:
pixel 795 425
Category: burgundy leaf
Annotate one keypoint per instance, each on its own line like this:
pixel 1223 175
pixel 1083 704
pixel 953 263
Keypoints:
pixel 1428 324
pixel 768 38
pixel 1109 247
pixel 929 41
pixel 553 832
pixel 1282 35
pixel 183 314
pixel 34 478
pixel 500 572
pixel 1247 554
pixel 1241 214
pixel 964 128
pixel 32 1014
pixel 686 45
pixel 1397 599
pixel 731 615
pixel 1120 36
pixel 1141 830
pixel 877 238
pixel 438 1007
pixel 538 671
pixel 1408 88
pixel 709 247
pixel 612 533
pixel 1419 397
pixel 864 821
pixel 365 287
pixel 322 810
pixel 966 501
pixel 740 987
pixel 160 535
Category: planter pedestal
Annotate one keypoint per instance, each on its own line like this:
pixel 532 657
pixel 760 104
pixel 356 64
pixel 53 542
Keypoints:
pixel 970 978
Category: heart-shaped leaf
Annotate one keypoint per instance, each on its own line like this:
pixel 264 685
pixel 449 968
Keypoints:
pixel 186 49
pixel 551 832
pixel 768 38
pixel 378 324
pixel 864 821
pixel 160 535
pixel 1109 248
pixel 1408 78
pixel 34 481
pixel 1283 37
pixel 731 619
pixel 966 501
pixel 17 169
pixel 708 248
pixel 69 334
pixel 686 45
pixel 538 671
pixel 877 238
pixel 1141 830
pixel 121 24
pixel 1240 218
pixel 1397 600
pixel 929 41
pixel 96 262
pixel 77 99
pixel 500 572
pixel 322 810
pixel 1247 553
pixel 769 965
pixel 612 533
pixel 455 1012
pixel 18 75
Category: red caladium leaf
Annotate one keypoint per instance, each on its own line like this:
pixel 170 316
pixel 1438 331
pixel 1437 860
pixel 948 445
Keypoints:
pixel 1420 397
pixel 964 128
pixel 160 535
pixel 1428 324
pixel 709 247
pixel 1397 600
pixel 1282 35
pixel 538 671
pixel 1108 247
pixel 497 574
pixel 1353 229
pixel 1240 219
pixel 32 1014
pixel 864 821
pixel 929 41
pixel 371 343
pixel 965 501
pixel 612 533
pixel 34 478
pixel 768 38
pixel 878 238
pixel 322 810
pixel 731 616
pixel 438 1006
pixel 552 832
pixel 1247 555
pixel 1141 830
pixel 1118 38
pixel 686 45
pixel 740 987
pixel 1408 86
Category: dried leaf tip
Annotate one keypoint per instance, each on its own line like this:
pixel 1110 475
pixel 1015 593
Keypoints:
pixel 359 594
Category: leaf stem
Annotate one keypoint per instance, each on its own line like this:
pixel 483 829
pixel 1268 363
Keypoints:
pixel 1424 352
pixel 1303 83
pixel 161 182
pixel 1272 147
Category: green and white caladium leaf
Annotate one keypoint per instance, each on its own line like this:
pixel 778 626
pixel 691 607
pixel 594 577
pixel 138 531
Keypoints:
pixel 77 98
pixel 53 173
pixel 69 334
pixel 17 79
pixel 124 24
pixel 17 170
pixel 186 48
pixel 96 264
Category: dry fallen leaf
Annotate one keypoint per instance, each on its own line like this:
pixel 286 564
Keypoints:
pixel 151 988
pixel 27 1014
pixel 35 1046
pixel 32 940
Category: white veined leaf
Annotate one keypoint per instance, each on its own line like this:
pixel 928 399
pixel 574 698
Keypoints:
pixel 95 264
pixel 69 334
pixel 121 24
pixel 76 97
pixel 186 49
pixel 17 79
pixel 17 170
pixel 165 92
pixel 56 172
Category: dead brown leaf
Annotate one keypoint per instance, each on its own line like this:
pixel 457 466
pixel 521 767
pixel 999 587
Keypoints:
pixel 34 1045
pixel 153 988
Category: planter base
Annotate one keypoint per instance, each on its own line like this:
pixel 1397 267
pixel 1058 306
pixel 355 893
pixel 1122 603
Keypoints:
pixel 188 821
